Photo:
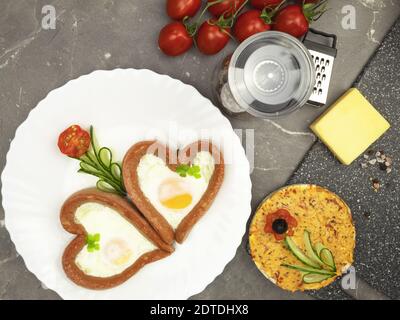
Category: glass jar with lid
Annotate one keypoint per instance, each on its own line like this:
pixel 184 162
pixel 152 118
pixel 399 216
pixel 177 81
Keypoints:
pixel 270 74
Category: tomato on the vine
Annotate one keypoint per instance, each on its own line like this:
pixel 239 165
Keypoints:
pixel 250 23
pixel 179 9
pixel 211 37
pixel 74 141
pixel 261 4
pixel 292 20
pixel 295 19
pixel 174 39
pixel 226 7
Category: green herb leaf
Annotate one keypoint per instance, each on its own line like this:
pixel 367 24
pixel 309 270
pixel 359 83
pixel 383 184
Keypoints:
pixel 185 170
pixel 92 241
pixel 182 170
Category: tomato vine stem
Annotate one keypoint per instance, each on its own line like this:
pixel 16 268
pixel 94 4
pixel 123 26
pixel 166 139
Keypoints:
pixel 192 28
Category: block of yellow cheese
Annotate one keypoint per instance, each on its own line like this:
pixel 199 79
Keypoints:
pixel 350 126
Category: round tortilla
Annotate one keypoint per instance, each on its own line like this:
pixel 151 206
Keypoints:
pixel 325 215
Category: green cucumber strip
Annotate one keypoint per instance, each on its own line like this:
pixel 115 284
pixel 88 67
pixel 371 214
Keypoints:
pixel 318 248
pixel 88 167
pixel 116 171
pixel 315 278
pixel 308 269
pixel 105 186
pixel 105 157
pixel 327 257
pixel 310 250
pixel 299 254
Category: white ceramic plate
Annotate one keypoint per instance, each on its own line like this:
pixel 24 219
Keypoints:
pixel 124 106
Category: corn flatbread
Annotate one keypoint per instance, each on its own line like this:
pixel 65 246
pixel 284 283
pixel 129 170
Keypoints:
pixel 317 210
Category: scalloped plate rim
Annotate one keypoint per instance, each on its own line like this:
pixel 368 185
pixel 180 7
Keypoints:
pixel 39 108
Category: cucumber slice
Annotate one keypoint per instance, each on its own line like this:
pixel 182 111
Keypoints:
pixel 318 248
pixel 310 250
pixel 327 257
pixel 308 269
pixel 299 254
pixel 315 278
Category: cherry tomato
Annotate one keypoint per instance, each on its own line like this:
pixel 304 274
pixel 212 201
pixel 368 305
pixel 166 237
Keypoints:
pixel 74 141
pixel 178 9
pixel 292 20
pixel 280 214
pixel 261 4
pixel 248 24
pixel 212 38
pixel 226 8
pixel 174 39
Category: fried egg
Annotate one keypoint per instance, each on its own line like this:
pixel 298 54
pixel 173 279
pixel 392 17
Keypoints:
pixel 120 244
pixel 170 194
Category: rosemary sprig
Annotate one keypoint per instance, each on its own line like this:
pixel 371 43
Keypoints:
pixel 98 162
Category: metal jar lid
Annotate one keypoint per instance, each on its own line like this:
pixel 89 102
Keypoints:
pixel 271 74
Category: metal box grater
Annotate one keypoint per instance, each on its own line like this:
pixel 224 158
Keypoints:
pixel 323 57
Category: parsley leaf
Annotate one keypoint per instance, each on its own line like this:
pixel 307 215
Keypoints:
pixel 182 170
pixel 194 171
pixel 92 241
pixel 185 170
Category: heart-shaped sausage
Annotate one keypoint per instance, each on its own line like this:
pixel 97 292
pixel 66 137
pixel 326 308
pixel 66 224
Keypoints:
pixel 151 166
pixel 123 241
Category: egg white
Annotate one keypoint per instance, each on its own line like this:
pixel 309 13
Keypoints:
pixel 152 171
pixel 98 218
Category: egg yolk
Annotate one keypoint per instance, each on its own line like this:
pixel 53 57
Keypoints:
pixel 117 252
pixel 173 195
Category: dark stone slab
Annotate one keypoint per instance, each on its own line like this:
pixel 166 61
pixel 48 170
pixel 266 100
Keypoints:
pixel 376 214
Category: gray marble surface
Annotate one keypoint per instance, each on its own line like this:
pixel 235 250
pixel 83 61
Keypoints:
pixel 106 34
